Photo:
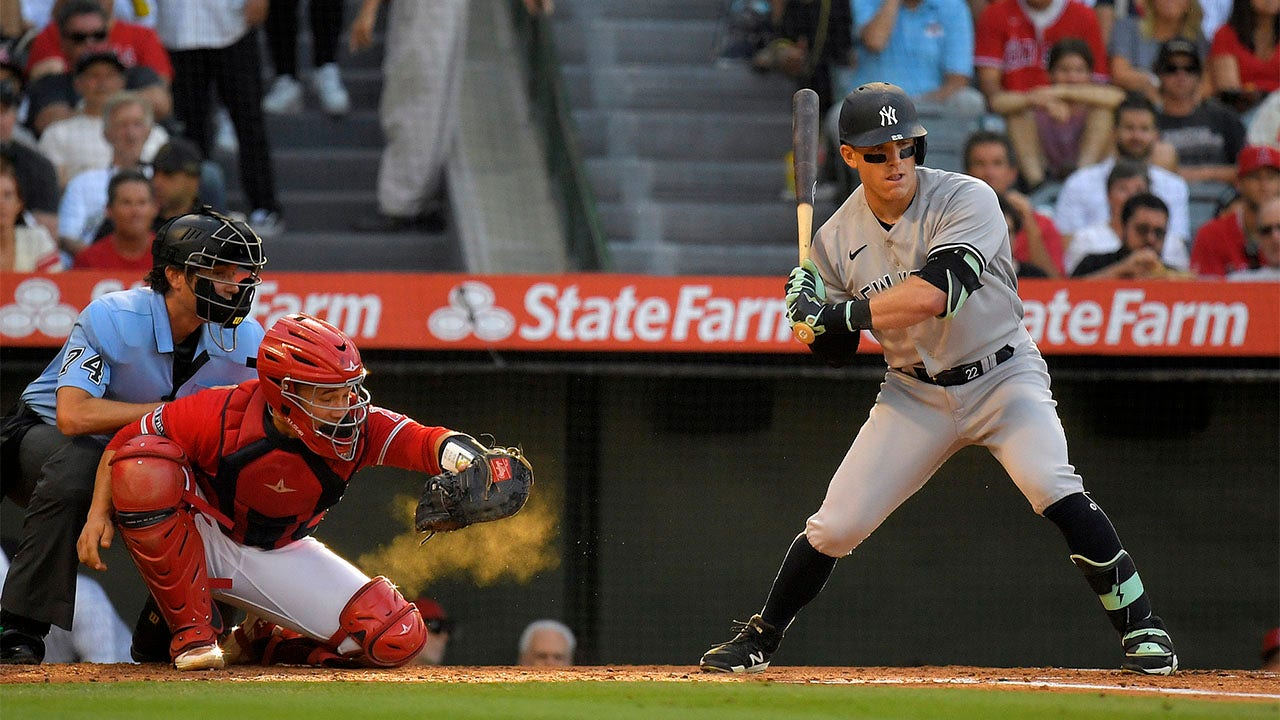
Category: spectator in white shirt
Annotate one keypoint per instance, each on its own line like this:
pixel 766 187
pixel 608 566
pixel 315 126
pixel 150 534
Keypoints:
pixel 1083 199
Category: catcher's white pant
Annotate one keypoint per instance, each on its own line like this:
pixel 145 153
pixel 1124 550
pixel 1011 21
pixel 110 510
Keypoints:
pixel 302 586
pixel 914 427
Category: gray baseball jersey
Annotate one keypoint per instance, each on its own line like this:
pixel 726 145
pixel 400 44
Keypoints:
pixel 915 425
pixel 857 258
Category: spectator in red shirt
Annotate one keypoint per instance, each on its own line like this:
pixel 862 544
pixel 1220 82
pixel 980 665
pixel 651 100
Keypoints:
pixel 1244 64
pixel 1037 245
pixel 135 44
pixel 131 207
pixel 1013 37
pixel 1229 243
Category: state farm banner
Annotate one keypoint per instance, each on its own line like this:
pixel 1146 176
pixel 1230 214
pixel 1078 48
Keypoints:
pixel 636 313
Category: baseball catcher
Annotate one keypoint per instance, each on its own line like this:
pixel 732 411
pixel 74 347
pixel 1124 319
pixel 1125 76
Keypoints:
pixel 217 496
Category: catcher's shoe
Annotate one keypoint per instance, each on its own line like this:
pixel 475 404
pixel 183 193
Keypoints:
pixel 1148 649
pixel 201 657
pixel 244 644
pixel 749 652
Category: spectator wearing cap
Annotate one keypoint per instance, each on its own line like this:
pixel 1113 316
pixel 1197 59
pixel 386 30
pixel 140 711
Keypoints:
pixel 131 138
pixel 176 176
pixel 131 208
pixel 1230 242
pixel 82 25
pixel 79 142
pixel 1271 650
pixel 1136 41
pixel 547 643
pixel 1207 135
pixel 438 628
pixel 37 178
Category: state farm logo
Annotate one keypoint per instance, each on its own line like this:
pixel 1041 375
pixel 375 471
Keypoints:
pixel 37 308
pixel 471 311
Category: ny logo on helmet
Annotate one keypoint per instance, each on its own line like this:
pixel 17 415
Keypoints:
pixel 888 116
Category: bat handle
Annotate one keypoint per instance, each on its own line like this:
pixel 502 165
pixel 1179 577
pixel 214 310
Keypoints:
pixel 804 224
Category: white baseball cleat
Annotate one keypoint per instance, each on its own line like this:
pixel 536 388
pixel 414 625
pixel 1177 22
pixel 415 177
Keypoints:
pixel 204 657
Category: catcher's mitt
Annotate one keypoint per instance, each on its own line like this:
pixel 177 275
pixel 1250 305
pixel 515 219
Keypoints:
pixel 493 487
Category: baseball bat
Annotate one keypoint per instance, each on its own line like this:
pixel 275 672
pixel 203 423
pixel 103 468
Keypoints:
pixel 804 146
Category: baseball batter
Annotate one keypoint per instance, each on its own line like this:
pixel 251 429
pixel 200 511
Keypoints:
pixel 921 258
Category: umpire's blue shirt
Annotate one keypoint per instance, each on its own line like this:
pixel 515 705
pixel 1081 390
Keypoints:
pixel 121 348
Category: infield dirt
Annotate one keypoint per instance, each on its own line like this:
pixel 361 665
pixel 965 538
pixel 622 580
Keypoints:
pixel 1226 684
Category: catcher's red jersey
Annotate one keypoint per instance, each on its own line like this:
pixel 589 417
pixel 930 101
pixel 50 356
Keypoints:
pixel 270 489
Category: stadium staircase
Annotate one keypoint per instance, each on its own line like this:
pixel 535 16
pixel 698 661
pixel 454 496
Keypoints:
pixel 500 215
pixel 686 154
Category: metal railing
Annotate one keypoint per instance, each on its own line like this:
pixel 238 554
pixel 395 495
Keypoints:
pixel 586 245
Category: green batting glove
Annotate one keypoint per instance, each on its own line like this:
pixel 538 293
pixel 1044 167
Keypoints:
pixel 805 277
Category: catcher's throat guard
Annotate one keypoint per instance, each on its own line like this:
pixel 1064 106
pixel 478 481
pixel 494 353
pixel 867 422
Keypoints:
pixel 492 487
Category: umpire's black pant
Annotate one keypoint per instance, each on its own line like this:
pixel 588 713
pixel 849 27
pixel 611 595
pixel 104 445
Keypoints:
pixel 56 483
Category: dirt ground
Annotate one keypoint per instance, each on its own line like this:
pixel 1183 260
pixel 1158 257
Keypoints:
pixel 1224 684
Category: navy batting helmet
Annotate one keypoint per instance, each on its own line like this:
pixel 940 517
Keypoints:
pixel 202 240
pixel 878 113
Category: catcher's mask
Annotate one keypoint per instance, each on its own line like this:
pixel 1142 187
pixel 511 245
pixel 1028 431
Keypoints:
pixel 219 253
pixel 313 379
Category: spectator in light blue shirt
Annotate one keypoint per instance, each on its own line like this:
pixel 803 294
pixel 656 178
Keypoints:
pixel 923 46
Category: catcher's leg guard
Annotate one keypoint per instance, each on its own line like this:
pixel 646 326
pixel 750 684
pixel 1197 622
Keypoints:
pixel 388 628
pixel 148 477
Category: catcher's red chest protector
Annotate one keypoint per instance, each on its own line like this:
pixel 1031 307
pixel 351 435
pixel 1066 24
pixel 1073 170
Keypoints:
pixel 271 489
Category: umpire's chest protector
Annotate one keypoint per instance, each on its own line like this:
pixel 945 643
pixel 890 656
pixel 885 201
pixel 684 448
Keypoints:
pixel 270 489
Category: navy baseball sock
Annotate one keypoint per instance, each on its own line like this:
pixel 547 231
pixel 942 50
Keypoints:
pixel 803 574
pixel 1096 550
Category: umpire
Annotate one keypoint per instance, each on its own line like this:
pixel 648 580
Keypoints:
pixel 921 258
pixel 127 352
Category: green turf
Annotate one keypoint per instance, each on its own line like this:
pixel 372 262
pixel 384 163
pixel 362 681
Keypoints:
pixel 592 700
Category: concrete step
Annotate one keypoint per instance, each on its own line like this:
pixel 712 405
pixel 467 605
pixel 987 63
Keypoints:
pixel 704 260
pixel 738 224
pixel 652 41
pixel 705 87
pixel 314 168
pixel 359 128
pixel 340 251
pixel 328 210
pixel 667 9
pixel 686 135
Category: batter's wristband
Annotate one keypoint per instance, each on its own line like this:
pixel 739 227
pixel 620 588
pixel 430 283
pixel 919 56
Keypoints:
pixel 855 315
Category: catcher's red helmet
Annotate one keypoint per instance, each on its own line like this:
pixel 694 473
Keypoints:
pixel 313 379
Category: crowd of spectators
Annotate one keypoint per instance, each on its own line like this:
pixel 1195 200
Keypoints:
pixel 1083 105
pixel 91 91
